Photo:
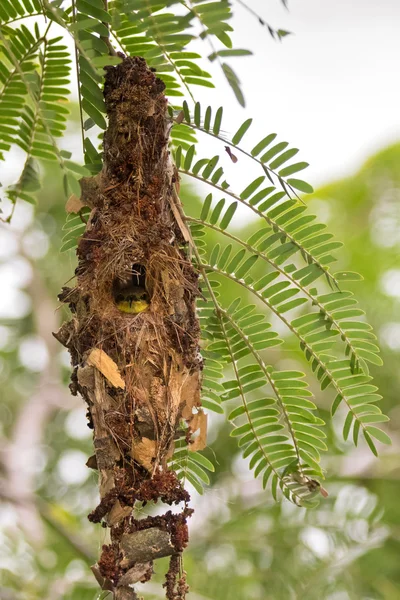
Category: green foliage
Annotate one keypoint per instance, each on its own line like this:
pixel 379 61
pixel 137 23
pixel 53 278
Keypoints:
pixel 280 265
pixel 74 226
pixel 35 84
pixel 191 466
pixel 270 161
pixel 18 54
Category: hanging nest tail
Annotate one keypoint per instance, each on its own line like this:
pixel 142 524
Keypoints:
pixel 134 334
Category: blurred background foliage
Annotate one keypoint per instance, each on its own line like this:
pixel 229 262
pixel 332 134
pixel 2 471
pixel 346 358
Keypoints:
pixel 243 545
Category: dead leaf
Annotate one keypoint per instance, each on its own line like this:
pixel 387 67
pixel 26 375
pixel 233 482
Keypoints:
pixel 86 376
pixel 136 574
pixel 323 492
pixel 179 117
pixel 105 584
pixel 199 422
pixel 117 513
pixel 178 216
pixel 74 204
pixel 233 158
pixel 92 462
pixel 103 363
pixel 144 452
pixel 191 394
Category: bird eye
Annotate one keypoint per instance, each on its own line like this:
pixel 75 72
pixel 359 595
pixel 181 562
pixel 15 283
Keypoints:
pixel 143 297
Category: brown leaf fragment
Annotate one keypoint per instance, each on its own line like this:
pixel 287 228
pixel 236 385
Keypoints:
pixel 104 583
pixel 103 363
pixel 199 422
pixel 92 462
pixel 69 295
pixel 233 158
pixel 323 492
pixel 177 210
pixel 180 117
pixel 125 592
pixel 137 573
pixel 65 334
pixel 86 377
pixel 74 204
pixel 144 452
pixel 191 394
pixel 117 513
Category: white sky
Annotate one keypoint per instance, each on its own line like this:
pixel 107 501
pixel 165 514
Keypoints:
pixel 332 89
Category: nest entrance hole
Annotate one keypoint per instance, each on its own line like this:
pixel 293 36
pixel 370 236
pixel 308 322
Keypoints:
pixel 131 295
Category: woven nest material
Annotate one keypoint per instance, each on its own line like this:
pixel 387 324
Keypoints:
pixel 138 373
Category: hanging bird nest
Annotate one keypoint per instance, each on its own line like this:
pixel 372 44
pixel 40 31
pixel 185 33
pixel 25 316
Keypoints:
pixel 134 334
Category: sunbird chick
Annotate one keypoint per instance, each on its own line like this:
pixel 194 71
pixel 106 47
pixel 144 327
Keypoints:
pixel 132 299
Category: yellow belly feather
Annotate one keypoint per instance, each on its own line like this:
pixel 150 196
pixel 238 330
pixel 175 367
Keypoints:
pixel 133 307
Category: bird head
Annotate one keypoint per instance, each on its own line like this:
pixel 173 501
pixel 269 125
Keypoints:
pixel 132 300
